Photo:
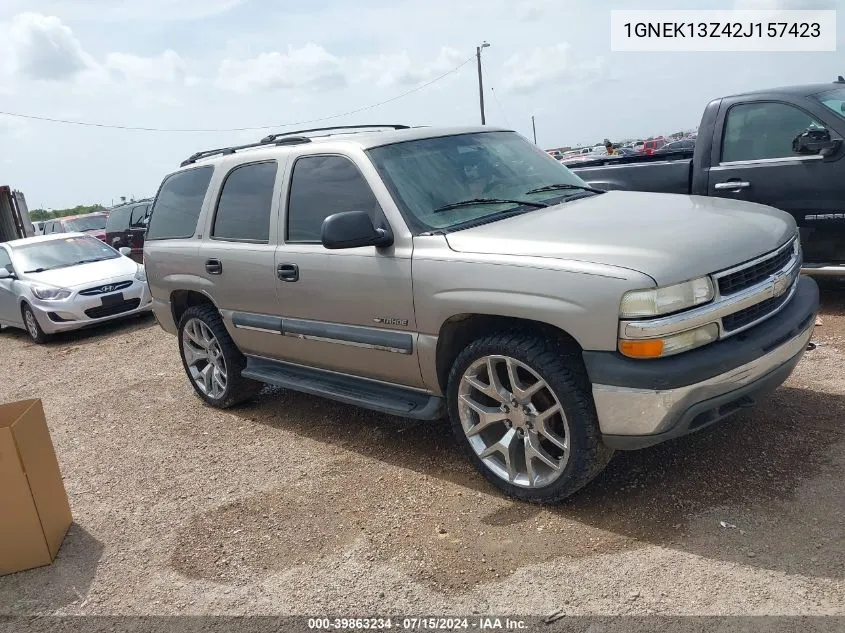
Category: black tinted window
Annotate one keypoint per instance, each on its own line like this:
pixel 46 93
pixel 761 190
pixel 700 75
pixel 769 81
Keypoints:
pixel 137 216
pixel 756 131
pixel 178 204
pixel 322 186
pixel 243 212
pixel 118 220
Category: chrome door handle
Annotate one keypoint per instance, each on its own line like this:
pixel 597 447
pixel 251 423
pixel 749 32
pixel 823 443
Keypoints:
pixel 733 184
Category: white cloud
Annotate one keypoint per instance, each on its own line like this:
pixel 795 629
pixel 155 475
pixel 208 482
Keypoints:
pixel 548 68
pixel 399 69
pixel 167 67
pixel 44 48
pixel 120 10
pixel 529 10
pixel 310 67
pixel 781 5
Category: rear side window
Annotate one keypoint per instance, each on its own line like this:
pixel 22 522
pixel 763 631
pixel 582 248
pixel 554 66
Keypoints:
pixel 118 220
pixel 243 212
pixel 757 131
pixel 178 204
pixel 322 186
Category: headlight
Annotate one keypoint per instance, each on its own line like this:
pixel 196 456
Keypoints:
pixel 46 293
pixel 669 345
pixel 657 301
pixel 141 273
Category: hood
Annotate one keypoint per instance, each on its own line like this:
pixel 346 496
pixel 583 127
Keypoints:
pixel 671 238
pixel 86 274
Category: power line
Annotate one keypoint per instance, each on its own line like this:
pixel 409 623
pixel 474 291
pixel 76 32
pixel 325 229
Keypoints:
pixel 237 129
pixel 496 97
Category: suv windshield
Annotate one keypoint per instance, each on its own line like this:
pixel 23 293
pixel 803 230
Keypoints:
pixel 428 175
pixel 834 100
pixel 69 251
pixel 87 223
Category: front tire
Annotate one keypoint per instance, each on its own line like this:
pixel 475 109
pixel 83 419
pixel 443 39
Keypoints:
pixel 521 407
pixel 32 327
pixel 211 359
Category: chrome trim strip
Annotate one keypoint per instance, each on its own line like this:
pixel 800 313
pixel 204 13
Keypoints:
pixel 257 329
pixel 325 339
pixel 824 270
pixel 713 312
pixel 767 161
pixel 626 411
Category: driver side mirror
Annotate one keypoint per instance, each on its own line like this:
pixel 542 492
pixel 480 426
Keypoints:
pixel 125 251
pixel 5 273
pixel 353 229
pixel 815 141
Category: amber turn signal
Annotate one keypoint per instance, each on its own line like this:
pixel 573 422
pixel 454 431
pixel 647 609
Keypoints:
pixel 642 349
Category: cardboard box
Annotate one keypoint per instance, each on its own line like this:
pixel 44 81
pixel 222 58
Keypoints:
pixel 34 509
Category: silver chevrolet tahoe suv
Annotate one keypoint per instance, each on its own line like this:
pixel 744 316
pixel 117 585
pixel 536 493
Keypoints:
pixel 424 272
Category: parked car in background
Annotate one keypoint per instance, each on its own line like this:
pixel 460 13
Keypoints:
pixel 127 225
pixel 38 227
pixel 638 146
pixel 781 147
pixel 93 224
pixel 55 283
pixel 14 215
pixel 652 145
pixel 684 145
pixel 552 322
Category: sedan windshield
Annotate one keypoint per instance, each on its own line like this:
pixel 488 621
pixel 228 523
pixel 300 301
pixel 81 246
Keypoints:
pixel 453 181
pixel 87 223
pixel 61 253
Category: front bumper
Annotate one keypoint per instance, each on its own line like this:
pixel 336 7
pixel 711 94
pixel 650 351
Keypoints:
pixel 644 402
pixel 70 314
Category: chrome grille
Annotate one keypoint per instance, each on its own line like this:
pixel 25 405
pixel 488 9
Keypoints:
pixel 756 312
pixel 105 288
pixel 755 273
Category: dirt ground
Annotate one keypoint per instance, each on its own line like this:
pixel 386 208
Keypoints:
pixel 297 505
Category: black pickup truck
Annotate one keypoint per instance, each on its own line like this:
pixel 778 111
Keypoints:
pixel 781 147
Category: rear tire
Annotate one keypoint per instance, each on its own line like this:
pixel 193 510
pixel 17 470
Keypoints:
pixel 212 361
pixel 532 431
pixel 32 327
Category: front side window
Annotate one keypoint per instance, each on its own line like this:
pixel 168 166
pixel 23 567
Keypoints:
pixel 322 186
pixel 758 131
pixel 427 175
pixel 61 253
pixel 138 215
pixel 243 212
pixel 178 204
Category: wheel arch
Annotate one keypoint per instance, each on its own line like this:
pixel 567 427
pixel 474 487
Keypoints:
pixel 460 330
pixel 181 300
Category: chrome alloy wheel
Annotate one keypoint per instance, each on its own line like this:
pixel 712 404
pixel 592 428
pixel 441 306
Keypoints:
pixel 31 324
pixel 513 421
pixel 204 358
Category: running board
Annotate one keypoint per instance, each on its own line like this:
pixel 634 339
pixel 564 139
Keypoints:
pixel 360 392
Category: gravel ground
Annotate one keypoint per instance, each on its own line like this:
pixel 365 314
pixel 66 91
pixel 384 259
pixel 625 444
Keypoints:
pixel 297 505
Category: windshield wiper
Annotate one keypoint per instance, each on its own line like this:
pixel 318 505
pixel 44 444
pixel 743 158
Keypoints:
pixel 38 270
pixel 475 201
pixel 561 187
pixel 91 261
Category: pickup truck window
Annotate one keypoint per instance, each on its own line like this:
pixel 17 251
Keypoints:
pixel 834 101
pixel 427 174
pixel 243 212
pixel 757 131
pixel 322 186
pixel 178 204
pixel 118 220
pixel 138 213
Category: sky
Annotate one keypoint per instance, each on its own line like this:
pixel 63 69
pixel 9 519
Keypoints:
pixel 223 64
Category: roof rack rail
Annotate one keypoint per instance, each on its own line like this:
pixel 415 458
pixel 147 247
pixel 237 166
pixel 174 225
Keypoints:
pixel 394 126
pixel 225 151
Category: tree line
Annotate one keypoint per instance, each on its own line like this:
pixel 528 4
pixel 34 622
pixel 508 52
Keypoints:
pixel 39 215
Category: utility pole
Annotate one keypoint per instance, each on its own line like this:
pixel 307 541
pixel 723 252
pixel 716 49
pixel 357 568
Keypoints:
pixel 534 128
pixel 481 81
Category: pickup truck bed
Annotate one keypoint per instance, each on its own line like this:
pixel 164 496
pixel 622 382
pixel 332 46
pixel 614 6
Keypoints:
pixel 781 147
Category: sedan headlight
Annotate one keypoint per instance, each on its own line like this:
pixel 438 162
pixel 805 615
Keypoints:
pixel 46 293
pixel 657 301
pixel 141 273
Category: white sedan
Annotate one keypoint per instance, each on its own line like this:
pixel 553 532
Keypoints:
pixel 66 281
